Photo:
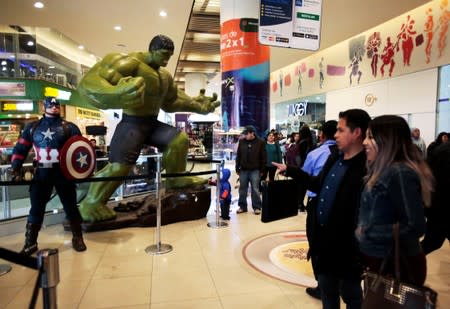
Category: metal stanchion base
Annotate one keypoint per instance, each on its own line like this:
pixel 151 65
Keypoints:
pixel 4 269
pixel 158 249
pixel 217 225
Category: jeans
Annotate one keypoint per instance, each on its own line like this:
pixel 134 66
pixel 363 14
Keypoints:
pixel 245 177
pixel 332 287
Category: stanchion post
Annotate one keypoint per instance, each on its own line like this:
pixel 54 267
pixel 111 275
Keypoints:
pixel 158 248
pixel 48 261
pixel 218 223
pixel 4 269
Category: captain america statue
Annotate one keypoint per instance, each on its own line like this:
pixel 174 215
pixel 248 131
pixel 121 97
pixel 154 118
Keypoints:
pixel 47 136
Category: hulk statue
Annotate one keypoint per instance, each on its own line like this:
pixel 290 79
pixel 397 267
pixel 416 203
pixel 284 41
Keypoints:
pixel 139 85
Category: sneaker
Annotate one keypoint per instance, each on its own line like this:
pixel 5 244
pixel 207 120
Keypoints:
pixel 314 292
pixel 240 210
pixel 257 211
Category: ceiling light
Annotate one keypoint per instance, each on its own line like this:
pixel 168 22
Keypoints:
pixel 81 47
pixel 38 5
pixel 51 67
pixel 30 43
pixel 163 13
pixel 117 28
pixel 3 68
pixel 3 62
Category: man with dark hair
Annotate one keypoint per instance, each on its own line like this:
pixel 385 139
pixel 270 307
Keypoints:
pixel 315 160
pixel 333 246
pixel 47 136
pixel 139 84
pixel 250 164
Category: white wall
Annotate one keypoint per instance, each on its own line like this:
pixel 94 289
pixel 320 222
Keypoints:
pixel 413 96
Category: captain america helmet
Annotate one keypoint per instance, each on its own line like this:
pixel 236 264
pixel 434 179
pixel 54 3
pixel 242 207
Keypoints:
pixel 50 102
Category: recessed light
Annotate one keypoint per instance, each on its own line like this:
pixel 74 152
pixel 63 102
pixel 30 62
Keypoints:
pixel 3 62
pixel 81 47
pixel 38 5
pixel 163 13
pixel 51 67
pixel 118 28
pixel 30 43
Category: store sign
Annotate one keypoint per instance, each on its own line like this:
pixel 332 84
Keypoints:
pixel 17 106
pixel 57 93
pixel 87 113
pixel 12 89
pixel 297 109
pixel 290 23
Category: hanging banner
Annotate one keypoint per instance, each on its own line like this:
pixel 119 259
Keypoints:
pixel 245 75
pixel 290 23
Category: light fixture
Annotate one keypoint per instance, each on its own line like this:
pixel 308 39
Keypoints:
pixel 3 62
pixel 118 28
pixel 163 13
pixel 92 56
pixel 38 5
pixel 51 66
pixel 81 47
pixel 30 43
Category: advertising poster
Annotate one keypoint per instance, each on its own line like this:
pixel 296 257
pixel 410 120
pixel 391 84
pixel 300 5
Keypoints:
pixel 290 23
pixel 245 75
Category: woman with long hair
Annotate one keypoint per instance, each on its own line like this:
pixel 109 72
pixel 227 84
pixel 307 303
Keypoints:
pixel 397 187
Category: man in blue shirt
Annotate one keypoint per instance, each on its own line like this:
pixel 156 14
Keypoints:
pixel 332 241
pixel 315 160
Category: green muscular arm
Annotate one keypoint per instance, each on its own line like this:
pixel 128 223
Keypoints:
pixel 110 83
pixel 179 101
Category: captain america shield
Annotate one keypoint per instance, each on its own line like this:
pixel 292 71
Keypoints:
pixel 77 158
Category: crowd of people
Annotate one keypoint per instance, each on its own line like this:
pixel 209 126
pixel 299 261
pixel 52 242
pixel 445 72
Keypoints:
pixel 363 176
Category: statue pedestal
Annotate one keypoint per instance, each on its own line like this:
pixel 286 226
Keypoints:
pixel 140 211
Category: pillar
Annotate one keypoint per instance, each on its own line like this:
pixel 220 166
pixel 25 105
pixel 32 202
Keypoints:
pixel 245 67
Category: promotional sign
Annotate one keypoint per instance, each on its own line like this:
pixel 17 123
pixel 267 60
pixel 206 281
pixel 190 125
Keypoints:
pixel 245 75
pixel 290 23
pixel 12 89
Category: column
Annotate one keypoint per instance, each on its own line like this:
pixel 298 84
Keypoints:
pixel 245 67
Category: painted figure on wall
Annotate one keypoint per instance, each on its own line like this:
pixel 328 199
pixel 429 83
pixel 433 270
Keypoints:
pixel 321 76
pixel 388 57
pixel 372 49
pixel 443 27
pixel 354 66
pixel 299 79
pixel 281 83
pixel 138 83
pixel 405 37
pixel 429 31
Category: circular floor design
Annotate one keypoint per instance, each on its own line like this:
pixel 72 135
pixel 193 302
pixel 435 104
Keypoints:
pixel 281 256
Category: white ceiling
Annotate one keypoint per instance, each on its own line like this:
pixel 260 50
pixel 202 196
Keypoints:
pixel 91 22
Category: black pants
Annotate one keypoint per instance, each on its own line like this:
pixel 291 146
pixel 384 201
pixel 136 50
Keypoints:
pixel 40 192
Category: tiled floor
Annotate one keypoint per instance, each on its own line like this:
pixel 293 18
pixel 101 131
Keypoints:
pixel 206 269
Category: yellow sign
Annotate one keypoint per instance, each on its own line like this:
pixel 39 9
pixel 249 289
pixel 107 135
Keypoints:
pixel 17 106
pixel 88 113
pixel 57 93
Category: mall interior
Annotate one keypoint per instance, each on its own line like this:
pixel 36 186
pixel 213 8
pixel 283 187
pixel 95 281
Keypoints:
pixel 388 58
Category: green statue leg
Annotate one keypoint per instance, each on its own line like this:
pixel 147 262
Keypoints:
pixel 93 206
pixel 175 161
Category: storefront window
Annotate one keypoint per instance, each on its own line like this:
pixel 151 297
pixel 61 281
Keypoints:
pixel 443 105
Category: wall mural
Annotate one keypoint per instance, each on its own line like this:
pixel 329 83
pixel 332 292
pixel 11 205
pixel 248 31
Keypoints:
pixel 411 42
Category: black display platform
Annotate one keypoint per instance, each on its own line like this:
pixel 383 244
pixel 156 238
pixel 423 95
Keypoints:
pixel 140 211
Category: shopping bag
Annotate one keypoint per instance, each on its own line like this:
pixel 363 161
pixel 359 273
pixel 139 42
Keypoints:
pixel 279 200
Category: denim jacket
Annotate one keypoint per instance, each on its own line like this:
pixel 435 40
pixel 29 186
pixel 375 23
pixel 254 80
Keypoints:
pixel 396 196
